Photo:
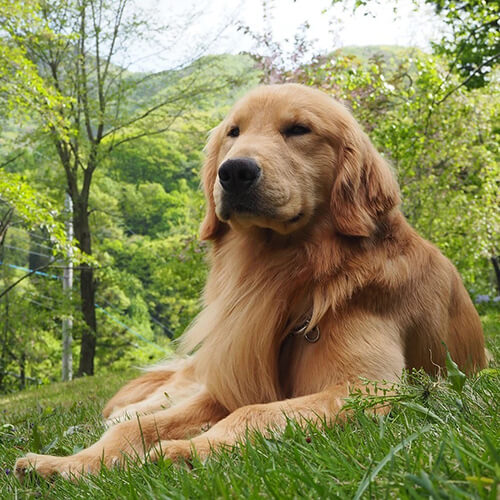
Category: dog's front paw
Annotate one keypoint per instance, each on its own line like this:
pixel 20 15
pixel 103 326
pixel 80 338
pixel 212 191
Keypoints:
pixel 73 467
pixel 46 466
pixel 181 450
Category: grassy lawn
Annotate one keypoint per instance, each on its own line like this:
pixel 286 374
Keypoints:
pixel 436 443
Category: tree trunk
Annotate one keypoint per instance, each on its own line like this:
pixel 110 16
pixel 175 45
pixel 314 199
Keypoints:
pixel 22 371
pixel 496 266
pixel 89 334
pixel 4 343
pixel 87 290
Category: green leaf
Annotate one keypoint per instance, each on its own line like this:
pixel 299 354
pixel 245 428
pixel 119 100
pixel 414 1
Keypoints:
pixel 36 440
pixel 456 377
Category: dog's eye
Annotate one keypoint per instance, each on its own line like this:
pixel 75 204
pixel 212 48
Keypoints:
pixel 234 132
pixel 296 130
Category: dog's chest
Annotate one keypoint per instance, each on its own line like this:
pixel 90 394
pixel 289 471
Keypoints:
pixel 301 366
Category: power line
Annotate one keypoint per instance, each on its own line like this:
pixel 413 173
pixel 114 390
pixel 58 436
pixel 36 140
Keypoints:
pixel 27 251
pixel 33 235
pixel 53 299
pixel 21 268
pixel 113 318
pixel 155 320
pixel 170 333
pixel 116 320
pixel 45 306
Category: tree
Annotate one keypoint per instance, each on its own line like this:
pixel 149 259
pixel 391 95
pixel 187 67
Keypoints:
pixel 472 45
pixel 73 45
pixel 471 42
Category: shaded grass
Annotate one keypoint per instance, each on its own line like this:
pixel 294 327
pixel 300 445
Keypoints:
pixel 436 443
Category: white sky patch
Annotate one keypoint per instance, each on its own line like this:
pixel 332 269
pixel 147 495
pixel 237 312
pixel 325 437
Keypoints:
pixel 210 27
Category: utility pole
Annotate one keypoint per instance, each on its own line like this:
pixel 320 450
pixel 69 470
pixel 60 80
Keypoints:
pixel 67 322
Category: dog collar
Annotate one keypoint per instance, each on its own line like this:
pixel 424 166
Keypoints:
pixel 312 336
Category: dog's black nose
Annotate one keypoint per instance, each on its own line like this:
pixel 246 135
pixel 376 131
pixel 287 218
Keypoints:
pixel 239 174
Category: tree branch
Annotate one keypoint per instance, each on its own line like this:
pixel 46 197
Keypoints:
pixel 27 275
pixel 83 70
pixel 4 224
pixel 144 115
pixel 144 134
pixel 116 27
pixel 7 162
pixel 454 89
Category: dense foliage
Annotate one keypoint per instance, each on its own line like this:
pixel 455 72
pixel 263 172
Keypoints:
pixel 144 202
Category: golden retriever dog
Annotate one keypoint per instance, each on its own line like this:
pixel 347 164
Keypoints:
pixel 316 283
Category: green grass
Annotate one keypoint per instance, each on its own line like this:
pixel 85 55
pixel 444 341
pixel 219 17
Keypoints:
pixel 436 443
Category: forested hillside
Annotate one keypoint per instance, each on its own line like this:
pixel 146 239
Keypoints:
pixel 147 266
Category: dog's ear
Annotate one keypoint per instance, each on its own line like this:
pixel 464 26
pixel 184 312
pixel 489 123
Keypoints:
pixel 364 188
pixel 211 227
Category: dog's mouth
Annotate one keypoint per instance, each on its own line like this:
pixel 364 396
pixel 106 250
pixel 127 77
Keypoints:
pixel 296 218
pixel 250 211
pixel 241 210
pixel 253 209
pixel 246 206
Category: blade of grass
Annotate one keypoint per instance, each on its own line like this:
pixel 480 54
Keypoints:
pixel 372 475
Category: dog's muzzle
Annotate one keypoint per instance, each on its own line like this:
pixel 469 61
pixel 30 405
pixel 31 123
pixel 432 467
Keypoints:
pixel 239 178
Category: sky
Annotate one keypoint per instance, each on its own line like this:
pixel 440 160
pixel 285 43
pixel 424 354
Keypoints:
pixel 210 26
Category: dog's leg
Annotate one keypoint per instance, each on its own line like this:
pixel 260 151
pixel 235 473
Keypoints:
pixel 179 386
pixel 171 378
pixel 317 408
pixel 136 390
pixel 163 397
pixel 130 440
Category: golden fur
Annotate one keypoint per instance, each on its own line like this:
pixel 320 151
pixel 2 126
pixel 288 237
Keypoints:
pixel 326 241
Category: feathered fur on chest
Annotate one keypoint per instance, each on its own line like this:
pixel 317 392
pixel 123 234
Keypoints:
pixel 254 298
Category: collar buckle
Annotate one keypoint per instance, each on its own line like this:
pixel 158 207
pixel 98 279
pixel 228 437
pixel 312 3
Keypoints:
pixel 312 336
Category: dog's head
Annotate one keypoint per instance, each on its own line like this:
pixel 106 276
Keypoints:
pixel 287 152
